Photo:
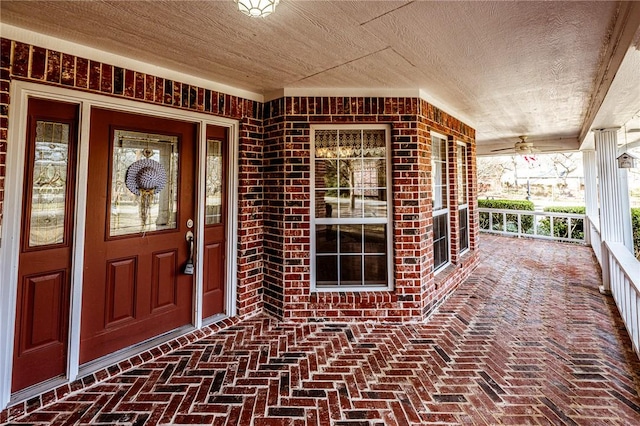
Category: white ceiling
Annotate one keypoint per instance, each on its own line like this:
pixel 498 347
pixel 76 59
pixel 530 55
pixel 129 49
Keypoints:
pixel 540 69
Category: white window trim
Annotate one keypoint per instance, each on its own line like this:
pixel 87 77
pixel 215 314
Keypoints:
pixel 445 210
pixel 389 217
pixel 465 205
pixel 20 92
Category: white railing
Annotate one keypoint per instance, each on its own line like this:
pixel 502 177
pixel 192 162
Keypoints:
pixel 624 278
pixel 533 224
pixel 594 238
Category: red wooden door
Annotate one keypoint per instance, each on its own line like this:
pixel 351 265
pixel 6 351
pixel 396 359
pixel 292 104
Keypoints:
pixel 215 222
pixel 134 286
pixel 44 270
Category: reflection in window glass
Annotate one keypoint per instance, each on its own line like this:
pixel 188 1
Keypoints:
pixel 130 212
pixel 439 172
pixel 463 209
pixel 214 182
pixel 48 194
pixel 350 206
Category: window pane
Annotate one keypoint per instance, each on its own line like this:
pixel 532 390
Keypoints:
pixel 350 270
pixel 350 238
pixel 464 232
pixel 326 143
pixel 375 270
pixel 375 238
pixel 214 181
pixel 345 176
pixel 326 173
pixel 373 143
pixel 49 189
pixel 326 239
pixel 376 206
pixel 144 192
pixel 462 174
pixel 349 207
pixel 439 172
pixel 350 143
pixel 327 270
pixel 440 240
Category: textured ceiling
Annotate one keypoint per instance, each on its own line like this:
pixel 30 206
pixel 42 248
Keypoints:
pixel 506 68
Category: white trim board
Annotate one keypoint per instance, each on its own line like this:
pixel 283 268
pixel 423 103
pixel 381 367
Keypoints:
pixel 9 251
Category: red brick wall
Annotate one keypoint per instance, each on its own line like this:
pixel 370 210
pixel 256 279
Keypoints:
pixel 274 210
pixel 288 211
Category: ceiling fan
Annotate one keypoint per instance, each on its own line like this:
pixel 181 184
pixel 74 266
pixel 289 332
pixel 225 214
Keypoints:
pixel 521 147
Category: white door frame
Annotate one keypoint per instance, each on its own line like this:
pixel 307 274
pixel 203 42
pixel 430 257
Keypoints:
pixel 20 92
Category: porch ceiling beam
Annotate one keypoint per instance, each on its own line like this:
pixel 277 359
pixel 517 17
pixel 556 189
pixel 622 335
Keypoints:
pixel 624 32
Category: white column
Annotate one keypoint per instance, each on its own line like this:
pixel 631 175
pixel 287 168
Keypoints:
pixel 627 232
pixel 613 213
pixel 590 191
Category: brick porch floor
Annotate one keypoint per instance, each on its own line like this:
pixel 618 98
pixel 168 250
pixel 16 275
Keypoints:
pixel 527 339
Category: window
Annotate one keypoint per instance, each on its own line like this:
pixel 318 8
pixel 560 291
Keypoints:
pixel 132 212
pixel 463 198
pixel 440 201
pixel 351 226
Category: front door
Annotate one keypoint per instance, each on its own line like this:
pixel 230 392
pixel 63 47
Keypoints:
pixel 141 209
pixel 46 243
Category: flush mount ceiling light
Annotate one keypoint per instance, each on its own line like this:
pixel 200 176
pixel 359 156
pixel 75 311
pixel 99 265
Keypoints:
pixel 257 8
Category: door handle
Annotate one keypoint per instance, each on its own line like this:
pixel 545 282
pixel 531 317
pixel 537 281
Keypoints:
pixel 189 268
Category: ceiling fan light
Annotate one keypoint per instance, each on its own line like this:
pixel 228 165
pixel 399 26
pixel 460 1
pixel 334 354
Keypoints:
pixel 257 8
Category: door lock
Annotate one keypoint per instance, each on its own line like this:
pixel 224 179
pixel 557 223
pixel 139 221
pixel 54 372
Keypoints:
pixel 189 267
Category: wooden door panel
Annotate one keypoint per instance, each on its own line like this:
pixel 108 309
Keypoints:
pixel 44 299
pixel 120 301
pixel 164 283
pixel 44 269
pixel 213 267
pixel 144 294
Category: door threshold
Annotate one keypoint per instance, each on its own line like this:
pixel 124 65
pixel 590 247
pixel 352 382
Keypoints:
pixel 36 390
pixel 131 351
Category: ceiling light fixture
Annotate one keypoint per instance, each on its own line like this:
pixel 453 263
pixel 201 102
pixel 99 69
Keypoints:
pixel 257 8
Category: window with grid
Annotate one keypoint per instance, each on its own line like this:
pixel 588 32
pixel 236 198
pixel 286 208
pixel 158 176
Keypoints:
pixel 351 226
pixel 463 198
pixel 440 201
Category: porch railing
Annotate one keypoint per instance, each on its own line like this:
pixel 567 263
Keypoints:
pixel 533 224
pixel 594 238
pixel 624 278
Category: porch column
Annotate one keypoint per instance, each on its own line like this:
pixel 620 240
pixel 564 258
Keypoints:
pixel 613 213
pixel 590 191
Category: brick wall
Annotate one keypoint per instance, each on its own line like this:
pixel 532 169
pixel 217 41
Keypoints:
pixel 274 210
pixel 288 211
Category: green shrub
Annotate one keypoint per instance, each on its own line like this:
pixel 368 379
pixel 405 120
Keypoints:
pixel 506 204
pixel 635 226
pixel 526 224
pixel 560 224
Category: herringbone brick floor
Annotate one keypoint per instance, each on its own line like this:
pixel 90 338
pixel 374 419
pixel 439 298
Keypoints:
pixel 527 339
